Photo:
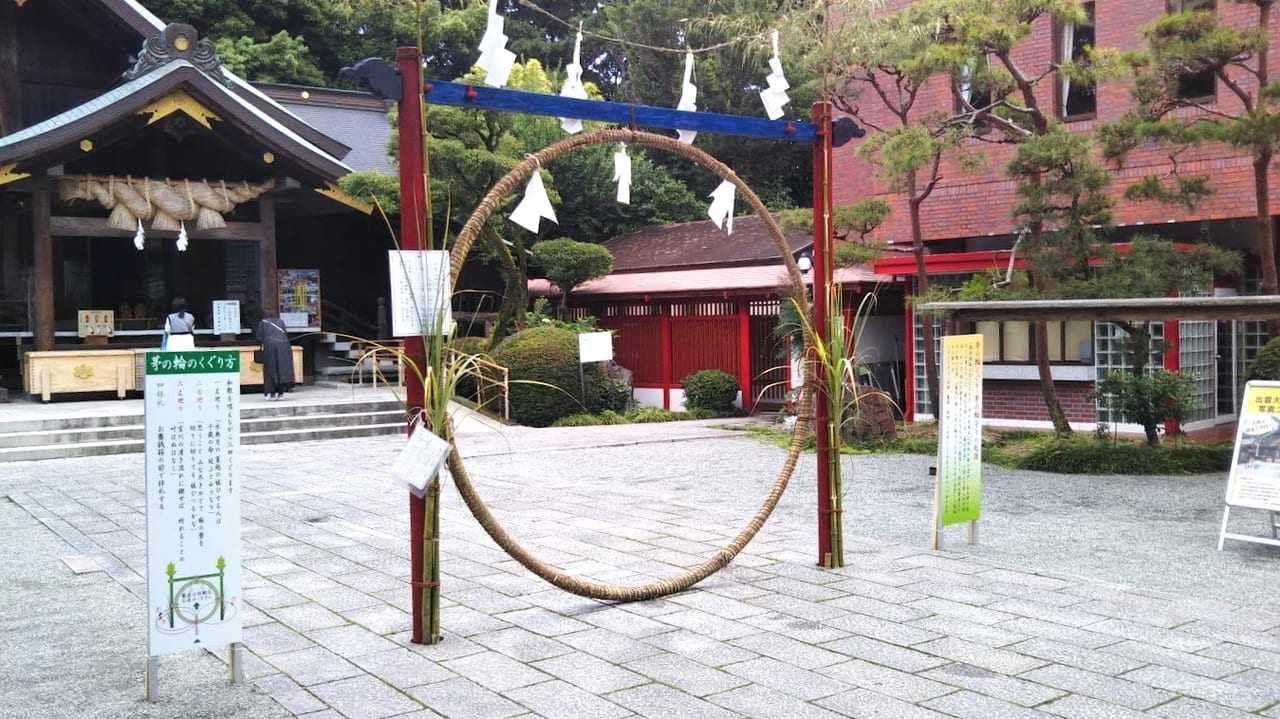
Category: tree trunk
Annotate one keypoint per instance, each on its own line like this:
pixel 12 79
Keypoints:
pixel 922 288
pixel 1061 425
pixel 514 300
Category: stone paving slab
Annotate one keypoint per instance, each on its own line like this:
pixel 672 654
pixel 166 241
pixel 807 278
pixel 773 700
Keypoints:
pixel 899 631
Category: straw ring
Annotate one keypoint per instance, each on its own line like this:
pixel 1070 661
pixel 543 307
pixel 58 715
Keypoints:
pixel 517 177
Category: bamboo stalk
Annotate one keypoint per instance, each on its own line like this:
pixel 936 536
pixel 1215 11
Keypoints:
pixel 431 564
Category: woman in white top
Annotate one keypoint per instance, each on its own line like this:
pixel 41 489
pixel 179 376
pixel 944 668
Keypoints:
pixel 179 327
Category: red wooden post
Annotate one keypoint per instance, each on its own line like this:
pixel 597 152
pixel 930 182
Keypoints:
pixel 664 319
pixel 744 354
pixel 821 116
pixel 412 224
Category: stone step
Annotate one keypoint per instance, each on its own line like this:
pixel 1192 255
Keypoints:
pixel 277 422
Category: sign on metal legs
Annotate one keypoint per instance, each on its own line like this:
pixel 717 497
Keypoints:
pixel 1254 479
pixel 192 418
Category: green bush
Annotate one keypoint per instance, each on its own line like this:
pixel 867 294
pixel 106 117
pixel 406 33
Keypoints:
pixel 1266 366
pixel 711 389
pixel 1083 455
pixel 653 414
pixel 545 385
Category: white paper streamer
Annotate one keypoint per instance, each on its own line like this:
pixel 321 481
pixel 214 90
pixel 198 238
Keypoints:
pixel 688 98
pixel 534 206
pixel 140 237
pixel 495 59
pixel 182 237
pixel 622 173
pixel 775 95
pixel 721 209
pixel 573 85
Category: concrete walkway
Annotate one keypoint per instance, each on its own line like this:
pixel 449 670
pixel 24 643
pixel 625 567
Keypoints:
pixel 899 632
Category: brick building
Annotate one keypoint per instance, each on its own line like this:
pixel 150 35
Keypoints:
pixel 968 228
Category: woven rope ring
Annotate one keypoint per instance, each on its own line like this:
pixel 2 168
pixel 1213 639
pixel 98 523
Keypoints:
pixel 687 578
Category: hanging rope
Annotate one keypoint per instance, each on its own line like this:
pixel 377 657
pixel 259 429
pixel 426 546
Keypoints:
pixel 166 203
pixel 516 178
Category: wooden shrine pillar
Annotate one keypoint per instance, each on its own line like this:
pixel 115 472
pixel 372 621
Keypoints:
pixel 267 260
pixel 42 266
pixel 10 251
pixel 10 94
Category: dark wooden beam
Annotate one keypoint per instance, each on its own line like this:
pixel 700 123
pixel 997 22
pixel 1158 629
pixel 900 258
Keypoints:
pixel 63 226
pixel 267 259
pixel 10 95
pixel 10 250
pixel 42 264
pixel 1259 307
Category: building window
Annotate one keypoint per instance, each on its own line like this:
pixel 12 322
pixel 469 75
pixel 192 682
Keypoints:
pixel 1079 99
pixel 1202 85
pixel 971 95
pixel 1011 342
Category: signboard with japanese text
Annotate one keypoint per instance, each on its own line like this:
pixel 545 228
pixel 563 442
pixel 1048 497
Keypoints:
pixel 959 489
pixel 226 317
pixel 299 298
pixel 192 418
pixel 421 292
pixel 1254 478
pixel 96 323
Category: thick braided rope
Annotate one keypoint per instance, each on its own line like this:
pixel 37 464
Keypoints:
pixel 610 592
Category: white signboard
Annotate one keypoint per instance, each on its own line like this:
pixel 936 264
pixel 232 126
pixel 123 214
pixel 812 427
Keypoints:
pixel 192 417
pixel 226 317
pixel 420 459
pixel 595 346
pixel 1254 479
pixel 421 295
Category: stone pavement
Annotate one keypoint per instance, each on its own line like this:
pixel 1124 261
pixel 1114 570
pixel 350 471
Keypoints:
pixel 899 632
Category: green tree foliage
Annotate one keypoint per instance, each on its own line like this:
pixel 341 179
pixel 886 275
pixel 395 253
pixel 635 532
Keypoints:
pixel 371 185
pixel 1266 366
pixel 281 58
pixel 1183 50
pixel 1150 398
pixel 873 62
pixel 568 263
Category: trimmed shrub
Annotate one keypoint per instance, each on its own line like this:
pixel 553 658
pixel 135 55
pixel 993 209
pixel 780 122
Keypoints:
pixel 1266 366
pixel 1083 455
pixel 545 386
pixel 711 389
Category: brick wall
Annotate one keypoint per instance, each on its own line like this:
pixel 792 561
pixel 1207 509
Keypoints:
pixel 1005 399
pixel 978 204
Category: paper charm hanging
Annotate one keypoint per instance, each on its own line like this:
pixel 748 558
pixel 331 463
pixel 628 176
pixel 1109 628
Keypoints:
pixel 622 173
pixel 182 237
pixel 775 95
pixel 573 86
pixel 534 206
pixel 495 59
pixel 688 97
pixel 140 237
pixel 721 209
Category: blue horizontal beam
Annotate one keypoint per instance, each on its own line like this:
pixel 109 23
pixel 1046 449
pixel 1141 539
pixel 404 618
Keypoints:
pixel 483 97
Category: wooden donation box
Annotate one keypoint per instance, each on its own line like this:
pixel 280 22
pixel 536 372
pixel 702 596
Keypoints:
pixel 119 371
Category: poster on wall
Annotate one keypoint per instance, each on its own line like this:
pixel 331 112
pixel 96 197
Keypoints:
pixel 958 486
pixel 96 323
pixel 299 298
pixel 226 317
pixel 1253 481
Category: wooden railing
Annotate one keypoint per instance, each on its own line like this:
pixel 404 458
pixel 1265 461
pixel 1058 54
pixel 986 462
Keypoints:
pixel 487 373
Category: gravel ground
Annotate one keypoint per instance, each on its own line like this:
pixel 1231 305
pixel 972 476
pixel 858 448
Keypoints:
pixel 1154 532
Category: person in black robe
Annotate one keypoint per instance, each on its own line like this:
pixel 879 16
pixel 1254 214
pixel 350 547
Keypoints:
pixel 277 357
